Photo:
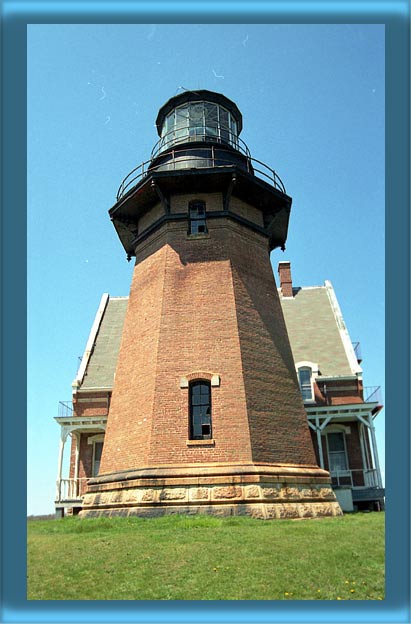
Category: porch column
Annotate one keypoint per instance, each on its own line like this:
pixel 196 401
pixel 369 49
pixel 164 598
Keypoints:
pixel 63 437
pixel 76 462
pixel 375 450
pixel 319 442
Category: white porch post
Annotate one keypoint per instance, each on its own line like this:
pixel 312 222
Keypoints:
pixel 363 453
pixel 63 438
pixel 76 462
pixel 319 442
pixel 375 450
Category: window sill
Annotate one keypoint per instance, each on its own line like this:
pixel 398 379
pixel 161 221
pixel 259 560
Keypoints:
pixel 210 442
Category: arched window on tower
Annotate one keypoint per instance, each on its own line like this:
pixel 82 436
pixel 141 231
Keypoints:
pixel 197 217
pixel 200 410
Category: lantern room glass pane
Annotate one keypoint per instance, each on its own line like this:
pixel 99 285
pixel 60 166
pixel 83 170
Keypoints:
pixel 181 122
pixel 181 116
pixel 211 114
pixel 224 125
pixel 211 119
pixel 233 131
pixel 196 120
pixel 196 114
pixel 199 121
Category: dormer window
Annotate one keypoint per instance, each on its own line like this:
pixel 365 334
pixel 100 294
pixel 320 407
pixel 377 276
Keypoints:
pixel 304 378
pixel 307 373
pixel 197 217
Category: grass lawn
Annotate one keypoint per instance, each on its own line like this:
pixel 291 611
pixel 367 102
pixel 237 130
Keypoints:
pixel 207 558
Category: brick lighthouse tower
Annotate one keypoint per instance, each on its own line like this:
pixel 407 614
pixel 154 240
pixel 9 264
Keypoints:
pixel 206 414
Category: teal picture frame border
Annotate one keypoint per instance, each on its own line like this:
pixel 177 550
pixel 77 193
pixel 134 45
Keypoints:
pixel 16 15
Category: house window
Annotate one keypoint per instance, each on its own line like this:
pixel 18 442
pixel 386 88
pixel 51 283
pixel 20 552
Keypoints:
pixel 197 217
pixel 337 454
pixel 304 378
pixel 200 410
pixel 97 451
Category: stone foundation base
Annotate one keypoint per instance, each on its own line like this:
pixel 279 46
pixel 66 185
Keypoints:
pixel 267 492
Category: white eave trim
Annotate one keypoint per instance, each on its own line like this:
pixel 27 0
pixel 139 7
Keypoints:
pixel 90 343
pixel 351 409
pixel 345 337
pixel 81 422
pixel 87 389
pixel 336 378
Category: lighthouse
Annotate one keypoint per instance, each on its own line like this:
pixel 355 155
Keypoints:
pixel 206 414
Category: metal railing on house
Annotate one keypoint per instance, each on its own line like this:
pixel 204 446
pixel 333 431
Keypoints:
pixel 357 351
pixel 65 409
pixel 70 489
pixel 354 478
pixel 372 394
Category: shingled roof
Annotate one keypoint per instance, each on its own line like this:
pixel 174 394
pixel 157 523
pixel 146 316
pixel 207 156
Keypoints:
pixel 314 322
pixel 100 357
pixel 317 331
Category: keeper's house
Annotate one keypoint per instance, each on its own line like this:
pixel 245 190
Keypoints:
pixel 340 410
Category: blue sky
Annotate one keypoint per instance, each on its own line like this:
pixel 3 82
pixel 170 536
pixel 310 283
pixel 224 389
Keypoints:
pixel 312 99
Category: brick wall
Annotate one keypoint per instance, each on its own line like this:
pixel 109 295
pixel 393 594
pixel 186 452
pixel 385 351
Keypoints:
pixel 339 392
pixel 91 404
pixel 150 217
pixel 179 203
pixel 86 404
pixel 205 304
pixel 85 455
pixel 286 282
pixel 85 465
pixel 246 211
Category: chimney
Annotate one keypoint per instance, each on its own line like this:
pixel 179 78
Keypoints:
pixel 286 283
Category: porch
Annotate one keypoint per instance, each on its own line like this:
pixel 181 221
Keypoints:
pixel 345 442
pixel 70 489
pixel 354 478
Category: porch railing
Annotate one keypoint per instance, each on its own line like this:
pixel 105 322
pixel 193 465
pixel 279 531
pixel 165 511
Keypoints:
pixel 354 478
pixel 357 351
pixel 65 409
pixel 372 394
pixel 70 489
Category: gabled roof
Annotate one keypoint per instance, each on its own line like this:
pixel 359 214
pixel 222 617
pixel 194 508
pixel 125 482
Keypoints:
pixel 317 331
pixel 100 357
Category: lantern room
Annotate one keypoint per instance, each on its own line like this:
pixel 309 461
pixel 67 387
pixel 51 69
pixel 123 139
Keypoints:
pixel 195 116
